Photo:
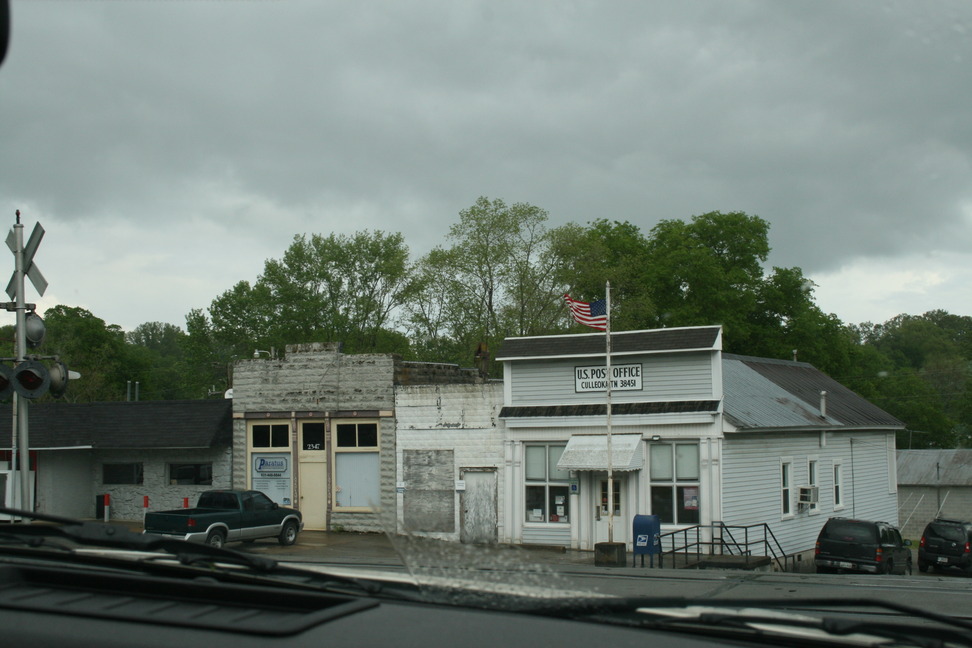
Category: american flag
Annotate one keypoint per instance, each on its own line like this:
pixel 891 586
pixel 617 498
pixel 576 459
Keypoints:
pixel 593 314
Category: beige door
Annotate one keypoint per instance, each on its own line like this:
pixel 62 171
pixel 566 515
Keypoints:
pixel 313 475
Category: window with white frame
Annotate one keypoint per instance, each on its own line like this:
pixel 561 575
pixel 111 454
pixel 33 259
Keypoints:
pixel 674 474
pixel 356 465
pixel 786 486
pixel 838 485
pixel 812 479
pixel 547 491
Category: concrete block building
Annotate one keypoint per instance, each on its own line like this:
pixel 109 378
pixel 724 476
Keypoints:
pixel 317 430
pixel 154 453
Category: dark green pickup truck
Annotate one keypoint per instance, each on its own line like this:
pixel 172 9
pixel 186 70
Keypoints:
pixel 228 515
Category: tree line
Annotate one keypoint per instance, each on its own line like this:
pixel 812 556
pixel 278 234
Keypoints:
pixel 502 272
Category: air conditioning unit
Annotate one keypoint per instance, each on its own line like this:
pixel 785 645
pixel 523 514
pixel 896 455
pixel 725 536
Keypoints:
pixel 809 494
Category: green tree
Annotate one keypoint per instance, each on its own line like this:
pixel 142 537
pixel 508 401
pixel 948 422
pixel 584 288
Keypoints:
pixel 497 278
pixel 932 352
pixel 708 271
pixel 208 362
pixel 332 288
pixel 339 288
pixel 606 251
pixel 160 347
pixel 94 349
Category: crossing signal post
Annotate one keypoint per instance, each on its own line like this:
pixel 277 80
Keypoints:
pixel 28 378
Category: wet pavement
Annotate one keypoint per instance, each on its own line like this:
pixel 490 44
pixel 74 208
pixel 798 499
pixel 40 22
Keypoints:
pixel 342 547
pixel 375 550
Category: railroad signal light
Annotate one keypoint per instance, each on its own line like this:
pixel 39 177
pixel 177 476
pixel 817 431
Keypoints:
pixel 31 379
pixel 59 378
pixel 34 330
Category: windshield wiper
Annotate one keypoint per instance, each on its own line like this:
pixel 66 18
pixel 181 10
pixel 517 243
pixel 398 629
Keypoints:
pixel 113 536
pixel 778 618
pixel 97 534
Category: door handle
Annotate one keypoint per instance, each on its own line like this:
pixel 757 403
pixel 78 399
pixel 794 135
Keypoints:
pixel 597 513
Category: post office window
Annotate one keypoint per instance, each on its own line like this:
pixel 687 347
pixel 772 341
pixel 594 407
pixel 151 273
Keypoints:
pixel 675 493
pixel 547 493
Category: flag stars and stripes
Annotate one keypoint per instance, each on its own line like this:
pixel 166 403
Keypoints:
pixel 593 314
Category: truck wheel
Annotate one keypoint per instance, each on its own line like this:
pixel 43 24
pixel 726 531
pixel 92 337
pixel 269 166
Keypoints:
pixel 216 538
pixel 288 535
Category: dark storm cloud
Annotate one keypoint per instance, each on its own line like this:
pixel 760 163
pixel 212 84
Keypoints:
pixel 844 124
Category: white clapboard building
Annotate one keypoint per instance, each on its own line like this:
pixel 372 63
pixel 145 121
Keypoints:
pixel 720 444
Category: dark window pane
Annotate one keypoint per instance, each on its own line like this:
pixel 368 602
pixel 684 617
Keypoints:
pixel 124 473
pixel 850 531
pixel 198 474
pixel 367 435
pixel 312 436
pixel 261 436
pixel 688 500
pixel 280 436
pixel 347 436
pixel 535 504
pixel 662 503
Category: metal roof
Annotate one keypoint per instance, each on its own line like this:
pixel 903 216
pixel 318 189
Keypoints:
pixel 619 409
pixel 764 393
pixel 127 424
pixel 935 467
pixel 697 338
pixel 589 452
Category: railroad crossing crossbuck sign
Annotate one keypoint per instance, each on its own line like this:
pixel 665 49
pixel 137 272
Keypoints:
pixel 29 267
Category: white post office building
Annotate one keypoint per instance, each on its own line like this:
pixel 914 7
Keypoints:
pixel 698 437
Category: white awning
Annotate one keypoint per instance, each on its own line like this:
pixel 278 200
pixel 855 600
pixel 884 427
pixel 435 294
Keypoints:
pixel 589 452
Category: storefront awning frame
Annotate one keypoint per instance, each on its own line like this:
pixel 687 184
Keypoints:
pixel 588 452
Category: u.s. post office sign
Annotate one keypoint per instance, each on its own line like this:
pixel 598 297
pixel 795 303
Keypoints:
pixel 625 378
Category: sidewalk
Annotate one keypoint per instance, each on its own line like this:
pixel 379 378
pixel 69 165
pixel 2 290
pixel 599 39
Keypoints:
pixel 379 550
pixel 375 549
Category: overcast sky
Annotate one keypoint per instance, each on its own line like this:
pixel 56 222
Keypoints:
pixel 170 148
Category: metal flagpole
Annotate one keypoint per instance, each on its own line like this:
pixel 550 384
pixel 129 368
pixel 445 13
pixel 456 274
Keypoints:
pixel 610 454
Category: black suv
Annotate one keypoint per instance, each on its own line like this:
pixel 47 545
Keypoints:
pixel 946 543
pixel 862 546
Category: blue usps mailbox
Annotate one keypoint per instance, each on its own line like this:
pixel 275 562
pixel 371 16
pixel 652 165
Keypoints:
pixel 645 531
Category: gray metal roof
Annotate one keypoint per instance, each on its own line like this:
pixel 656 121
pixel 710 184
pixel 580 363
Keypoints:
pixel 622 343
pixel 935 467
pixel 764 393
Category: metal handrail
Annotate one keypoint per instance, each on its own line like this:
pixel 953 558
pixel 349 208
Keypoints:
pixel 772 549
